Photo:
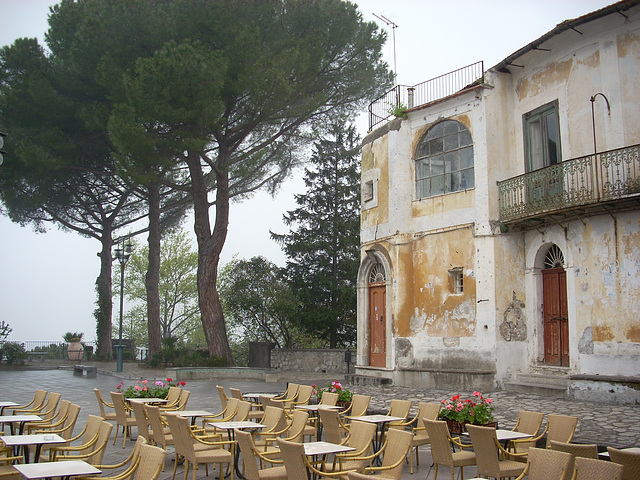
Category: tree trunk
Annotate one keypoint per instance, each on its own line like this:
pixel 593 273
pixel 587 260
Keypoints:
pixel 209 248
pixel 105 303
pixel 152 278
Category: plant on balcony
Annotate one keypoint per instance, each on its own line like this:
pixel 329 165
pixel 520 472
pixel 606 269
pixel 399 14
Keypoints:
pixel 399 110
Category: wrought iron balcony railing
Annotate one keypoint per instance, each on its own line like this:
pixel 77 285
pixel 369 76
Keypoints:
pixel 583 181
pixel 381 109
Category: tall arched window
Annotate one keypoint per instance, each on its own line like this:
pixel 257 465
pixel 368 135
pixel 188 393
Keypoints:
pixel 444 160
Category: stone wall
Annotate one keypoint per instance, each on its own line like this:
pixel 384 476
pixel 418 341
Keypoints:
pixel 312 360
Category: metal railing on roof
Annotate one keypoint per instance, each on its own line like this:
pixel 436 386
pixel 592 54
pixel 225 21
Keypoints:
pixel 382 109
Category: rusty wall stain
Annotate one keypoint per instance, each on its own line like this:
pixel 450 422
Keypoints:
pixel 633 333
pixel 555 72
pixel 628 44
pixel 433 308
pixel 603 333
pixel 376 155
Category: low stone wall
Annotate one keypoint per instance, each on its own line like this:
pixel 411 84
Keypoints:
pixel 312 360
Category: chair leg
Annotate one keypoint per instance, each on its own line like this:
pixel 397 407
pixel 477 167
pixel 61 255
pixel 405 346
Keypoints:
pixel 115 436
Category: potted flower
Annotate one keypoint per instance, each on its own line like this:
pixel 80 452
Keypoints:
pixel 75 349
pixel 148 389
pixel 345 395
pixel 458 412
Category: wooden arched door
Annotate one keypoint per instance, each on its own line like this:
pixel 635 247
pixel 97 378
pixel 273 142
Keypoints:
pixel 555 312
pixel 377 317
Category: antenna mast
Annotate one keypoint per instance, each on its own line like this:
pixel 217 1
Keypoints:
pixel 393 33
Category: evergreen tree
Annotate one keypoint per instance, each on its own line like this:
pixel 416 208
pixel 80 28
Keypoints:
pixel 323 244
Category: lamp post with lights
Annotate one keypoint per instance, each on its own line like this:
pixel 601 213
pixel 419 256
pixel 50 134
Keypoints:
pixel 122 253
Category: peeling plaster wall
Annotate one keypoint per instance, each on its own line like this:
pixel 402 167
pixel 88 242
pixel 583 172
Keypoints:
pixel 493 331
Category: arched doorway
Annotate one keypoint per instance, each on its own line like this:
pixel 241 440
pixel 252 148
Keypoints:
pixel 555 312
pixel 377 287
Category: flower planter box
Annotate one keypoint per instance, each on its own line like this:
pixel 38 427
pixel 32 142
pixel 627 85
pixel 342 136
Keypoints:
pixel 460 427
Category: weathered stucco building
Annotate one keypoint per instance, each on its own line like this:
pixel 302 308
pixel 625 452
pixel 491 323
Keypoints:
pixel 500 220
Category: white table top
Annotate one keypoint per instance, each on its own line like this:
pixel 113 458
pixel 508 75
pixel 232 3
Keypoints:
pixel 56 469
pixel 8 404
pixel 40 438
pixel 193 413
pixel 628 449
pixel 505 435
pixel 377 418
pixel 325 448
pixel 19 418
pixel 147 400
pixel 258 395
pixel 232 425
pixel 315 408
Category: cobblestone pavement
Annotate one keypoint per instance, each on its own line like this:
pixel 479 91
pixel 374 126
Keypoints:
pixel 600 423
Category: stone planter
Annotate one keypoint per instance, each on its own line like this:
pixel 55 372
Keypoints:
pixel 75 351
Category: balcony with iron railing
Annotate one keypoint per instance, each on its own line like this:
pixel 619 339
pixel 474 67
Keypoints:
pixel 604 182
pixel 381 109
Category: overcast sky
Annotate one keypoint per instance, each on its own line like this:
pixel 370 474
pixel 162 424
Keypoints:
pixel 47 280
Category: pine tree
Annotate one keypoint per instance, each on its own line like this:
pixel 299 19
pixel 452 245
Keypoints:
pixel 323 244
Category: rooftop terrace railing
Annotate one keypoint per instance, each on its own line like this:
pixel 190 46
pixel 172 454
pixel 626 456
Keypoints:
pixel 381 109
pixel 582 181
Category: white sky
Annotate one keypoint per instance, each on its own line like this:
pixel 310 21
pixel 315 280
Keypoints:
pixel 47 281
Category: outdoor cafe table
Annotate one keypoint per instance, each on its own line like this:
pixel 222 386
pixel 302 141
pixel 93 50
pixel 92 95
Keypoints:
pixel 230 427
pixel 21 419
pixel 25 440
pixel 380 421
pixel 150 400
pixel 628 449
pixel 4 405
pixel 317 449
pixel 64 469
pixel 194 414
pixel 505 436
pixel 255 397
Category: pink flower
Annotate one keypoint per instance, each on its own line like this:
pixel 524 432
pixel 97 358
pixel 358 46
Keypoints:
pixel 449 407
pixel 160 384
pixel 144 382
pixel 137 387
pixel 488 400
pixel 477 394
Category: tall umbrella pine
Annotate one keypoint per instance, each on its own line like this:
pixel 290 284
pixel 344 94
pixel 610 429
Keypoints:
pixel 222 90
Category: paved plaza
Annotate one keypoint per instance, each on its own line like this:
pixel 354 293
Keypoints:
pixel 600 423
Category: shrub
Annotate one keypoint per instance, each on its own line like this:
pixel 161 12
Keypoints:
pixel 13 353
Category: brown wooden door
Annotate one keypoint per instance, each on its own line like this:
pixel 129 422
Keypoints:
pixel 556 321
pixel 377 325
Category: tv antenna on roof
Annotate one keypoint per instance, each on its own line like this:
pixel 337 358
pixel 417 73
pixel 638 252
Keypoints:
pixel 393 33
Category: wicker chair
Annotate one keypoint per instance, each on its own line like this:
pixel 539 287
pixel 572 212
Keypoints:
pixel 360 437
pixel 223 396
pixel 151 463
pixel 173 398
pixel 442 448
pixel 426 411
pixel 575 450
pixel 255 412
pixel 275 425
pixel 46 411
pixel 207 452
pixel 358 407
pixel 590 469
pixel 66 429
pixel 182 403
pixel 399 408
pixel 130 463
pixel 142 422
pixel 293 433
pixel 394 451
pixel 529 423
pixel 250 456
pixel 95 452
pixel 559 428
pixel 111 416
pixel 290 393
pixel 88 437
pixel 329 398
pixel 226 415
pixel 334 429
pixel 36 404
pixel 123 417
pixel 160 433
pixel 630 461
pixel 544 464
pixel 56 421
pixel 486 445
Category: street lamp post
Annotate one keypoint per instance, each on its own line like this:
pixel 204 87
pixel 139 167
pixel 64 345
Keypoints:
pixel 123 252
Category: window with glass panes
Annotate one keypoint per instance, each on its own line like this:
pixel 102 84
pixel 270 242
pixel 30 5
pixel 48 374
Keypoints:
pixel 444 160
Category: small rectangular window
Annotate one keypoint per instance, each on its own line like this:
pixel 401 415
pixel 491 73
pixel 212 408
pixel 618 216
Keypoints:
pixel 457 280
pixel 367 191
